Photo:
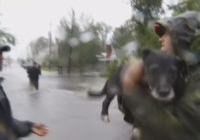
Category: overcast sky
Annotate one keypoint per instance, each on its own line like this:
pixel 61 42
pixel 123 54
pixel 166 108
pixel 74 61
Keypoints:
pixel 29 19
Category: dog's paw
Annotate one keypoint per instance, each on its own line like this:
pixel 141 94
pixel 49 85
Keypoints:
pixel 105 118
pixel 136 134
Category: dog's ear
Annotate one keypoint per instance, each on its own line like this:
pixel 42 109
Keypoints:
pixel 145 53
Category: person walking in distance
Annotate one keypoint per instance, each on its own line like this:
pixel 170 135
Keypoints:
pixel 33 73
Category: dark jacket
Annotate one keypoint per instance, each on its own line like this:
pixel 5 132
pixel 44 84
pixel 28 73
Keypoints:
pixel 10 128
pixel 33 73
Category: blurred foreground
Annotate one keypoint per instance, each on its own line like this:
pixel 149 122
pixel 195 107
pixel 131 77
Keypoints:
pixel 63 105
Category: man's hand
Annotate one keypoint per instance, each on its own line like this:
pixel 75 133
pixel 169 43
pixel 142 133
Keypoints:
pixel 39 129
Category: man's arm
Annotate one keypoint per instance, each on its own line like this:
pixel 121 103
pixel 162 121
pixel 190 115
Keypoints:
pixel 132 75
pixel 21 128
pixel 24 128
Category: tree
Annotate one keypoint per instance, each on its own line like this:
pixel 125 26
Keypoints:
pixel 6 37
pixel 70 33
pixel 137 27
pixel 147 9
pixel 123 34
pixel 85 38
pixel 103 31
pixel 146 12
pixel 38 45
pixel 184 5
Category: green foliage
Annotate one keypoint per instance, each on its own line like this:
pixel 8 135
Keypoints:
pixel 123 35
pixel 146 36
pixel 185 5
pixel 86 39
pixel 148 9
pixel 102 31
pixel 112 66
pixel 39 44
pixel 6 37
pixel 85 55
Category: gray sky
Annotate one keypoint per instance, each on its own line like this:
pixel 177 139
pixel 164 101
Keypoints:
pixel 29 19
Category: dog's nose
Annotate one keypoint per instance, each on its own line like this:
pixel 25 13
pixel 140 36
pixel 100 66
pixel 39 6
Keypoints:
pixel 164 92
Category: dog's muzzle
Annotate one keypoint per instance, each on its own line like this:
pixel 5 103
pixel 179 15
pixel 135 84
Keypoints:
pixel 163 95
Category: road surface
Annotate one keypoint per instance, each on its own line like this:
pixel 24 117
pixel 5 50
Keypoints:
pixel 62 104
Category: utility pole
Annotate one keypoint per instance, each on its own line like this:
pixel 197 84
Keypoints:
pixel 70 47
pixel 50 45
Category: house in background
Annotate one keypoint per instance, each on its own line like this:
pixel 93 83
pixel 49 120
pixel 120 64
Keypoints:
pixel 114 54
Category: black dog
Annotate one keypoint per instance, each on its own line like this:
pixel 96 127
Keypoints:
pixel 111 88
pixel 164 75
pixel 153 107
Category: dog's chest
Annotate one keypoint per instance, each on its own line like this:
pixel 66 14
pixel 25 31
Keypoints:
pixel 145 107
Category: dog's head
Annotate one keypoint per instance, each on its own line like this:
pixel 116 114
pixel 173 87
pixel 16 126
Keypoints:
pixel 163 74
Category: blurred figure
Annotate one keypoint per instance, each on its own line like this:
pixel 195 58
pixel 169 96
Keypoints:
pixel 3 48
pixel 34 72
pixel 11 128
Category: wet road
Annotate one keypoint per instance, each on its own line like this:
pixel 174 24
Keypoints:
pixel 63 105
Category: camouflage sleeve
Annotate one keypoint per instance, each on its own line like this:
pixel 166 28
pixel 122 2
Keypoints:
pixel 189 110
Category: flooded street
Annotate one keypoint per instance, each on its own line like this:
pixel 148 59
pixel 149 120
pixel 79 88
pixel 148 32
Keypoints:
pixel 62 104
pixel 152 47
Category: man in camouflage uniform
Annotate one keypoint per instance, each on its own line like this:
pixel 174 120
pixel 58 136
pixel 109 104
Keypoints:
pixel 179 35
